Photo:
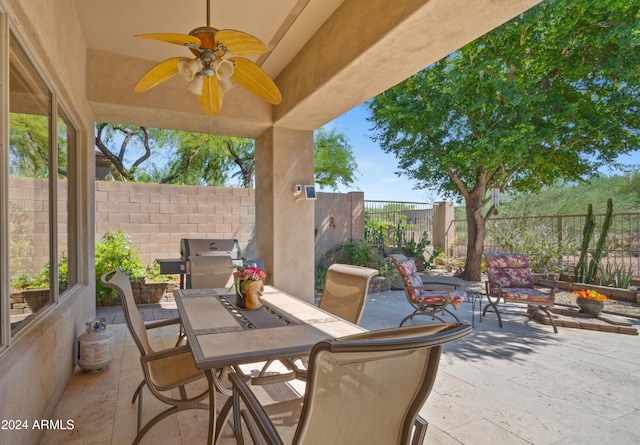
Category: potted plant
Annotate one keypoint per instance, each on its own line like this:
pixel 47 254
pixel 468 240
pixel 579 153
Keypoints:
pixel 248 281
pixel 589 301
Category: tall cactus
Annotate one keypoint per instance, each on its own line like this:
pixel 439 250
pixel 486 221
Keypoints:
pixel 587 233
pixel 597 254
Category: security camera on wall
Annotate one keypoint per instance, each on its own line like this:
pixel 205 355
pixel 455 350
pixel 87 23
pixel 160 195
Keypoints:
pixel 309 192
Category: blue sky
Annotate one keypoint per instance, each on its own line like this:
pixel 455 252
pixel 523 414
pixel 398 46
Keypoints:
pixel 377 170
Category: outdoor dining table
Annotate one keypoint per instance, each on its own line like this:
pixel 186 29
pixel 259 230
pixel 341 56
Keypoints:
pixel 221 335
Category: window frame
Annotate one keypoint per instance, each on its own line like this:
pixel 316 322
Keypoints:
pixel 57 110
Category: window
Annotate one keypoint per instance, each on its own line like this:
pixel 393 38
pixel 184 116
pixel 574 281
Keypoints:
pixel 66 137
pixel 41 207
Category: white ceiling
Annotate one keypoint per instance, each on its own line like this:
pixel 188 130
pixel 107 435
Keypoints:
pixel 283 25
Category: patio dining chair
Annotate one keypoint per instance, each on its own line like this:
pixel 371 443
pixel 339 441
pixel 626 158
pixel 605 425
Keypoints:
pixel 345 293
pixel 509 280
pixel 164 370
pixel 363 389
pixel 427 298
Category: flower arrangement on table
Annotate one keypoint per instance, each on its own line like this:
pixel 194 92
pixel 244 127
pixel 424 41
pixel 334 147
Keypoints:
pixel 590 295
pixel 248 281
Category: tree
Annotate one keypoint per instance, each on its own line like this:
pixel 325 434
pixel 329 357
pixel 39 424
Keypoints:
pixel 334 163
pixel 167 157
pixel 200 159
pixel 552 94
pixel 177 157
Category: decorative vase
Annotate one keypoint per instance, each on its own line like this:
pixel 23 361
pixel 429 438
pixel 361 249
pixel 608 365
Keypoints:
pixel 249 294
pixel 591 307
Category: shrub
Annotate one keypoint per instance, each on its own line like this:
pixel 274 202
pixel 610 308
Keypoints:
pixel 536 240
pixel 152 273
pixel 356 253
pixel 114 251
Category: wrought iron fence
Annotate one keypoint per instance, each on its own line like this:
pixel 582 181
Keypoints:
pixel 385 221
pixel 622 247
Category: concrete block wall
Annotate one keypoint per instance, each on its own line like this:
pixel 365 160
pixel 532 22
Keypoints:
pixel 158 216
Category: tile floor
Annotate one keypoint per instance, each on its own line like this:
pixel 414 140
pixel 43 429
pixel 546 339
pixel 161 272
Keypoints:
pixel 518 385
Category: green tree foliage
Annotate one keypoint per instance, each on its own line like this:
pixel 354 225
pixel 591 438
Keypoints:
pixel 550 94
pixel 29 145
pixel 162 156
pixel 334 162
pixel 200 159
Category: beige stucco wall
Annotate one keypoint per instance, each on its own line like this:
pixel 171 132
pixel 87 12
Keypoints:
pixel 36 367
pixel 339 217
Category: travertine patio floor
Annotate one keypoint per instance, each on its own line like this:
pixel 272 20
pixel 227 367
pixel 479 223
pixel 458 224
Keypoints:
pixel 522 384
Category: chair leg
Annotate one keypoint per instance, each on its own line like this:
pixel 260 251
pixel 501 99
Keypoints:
pixel 430 314
pixel 237 417
pixel 494 305
pixel 222 417
pixel 218 376
pixel 139 411
pixel 138 389
pixel 164 414
pixel 420 431
pixel 553 322
pixel 181 335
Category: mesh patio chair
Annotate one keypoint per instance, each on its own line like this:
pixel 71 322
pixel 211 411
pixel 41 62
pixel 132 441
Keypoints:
pixel 163 370
pixel 427 298
pixel 509 279
pixel 345 294
pixel 362 389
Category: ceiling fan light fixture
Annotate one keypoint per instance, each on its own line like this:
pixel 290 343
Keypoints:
pixel 189 68
pixel 196 85
pixel 226 85
pixel 224 69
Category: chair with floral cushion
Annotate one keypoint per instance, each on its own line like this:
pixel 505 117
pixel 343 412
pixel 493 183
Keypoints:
pixel 430 298
pixel 510 280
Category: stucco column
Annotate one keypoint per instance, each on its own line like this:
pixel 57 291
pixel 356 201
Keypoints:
pixel 443 230
pixel 284 223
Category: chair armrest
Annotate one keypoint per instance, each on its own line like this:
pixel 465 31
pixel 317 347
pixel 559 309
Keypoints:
pixel 258 415
pixel 161 323
pixel 547 286
pixel 427 287
pixel 440 283
pixel 164 353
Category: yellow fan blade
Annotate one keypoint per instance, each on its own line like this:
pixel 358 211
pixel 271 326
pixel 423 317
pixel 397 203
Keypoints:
pixel 158 74
pixel 178 39
pixel 240 43
pixel 254 79
pixel 212 96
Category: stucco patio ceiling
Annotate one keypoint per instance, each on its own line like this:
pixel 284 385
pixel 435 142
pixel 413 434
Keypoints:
pixel 326 56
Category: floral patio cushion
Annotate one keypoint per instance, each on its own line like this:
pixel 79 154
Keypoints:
pixel 412 279
pixel 530 295
pixel 436 297
pixel 508 270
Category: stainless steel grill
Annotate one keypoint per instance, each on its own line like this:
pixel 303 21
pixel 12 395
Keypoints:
pixel 204 263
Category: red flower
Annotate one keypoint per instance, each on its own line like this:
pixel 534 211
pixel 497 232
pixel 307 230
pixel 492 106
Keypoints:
pixel 251 273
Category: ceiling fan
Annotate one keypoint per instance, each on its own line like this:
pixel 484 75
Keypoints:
pixel 213 72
